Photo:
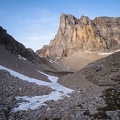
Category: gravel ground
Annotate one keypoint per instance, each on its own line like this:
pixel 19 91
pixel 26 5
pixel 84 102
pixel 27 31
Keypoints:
pixel 83 104
pixel 24 67
pixel 74 107
pixel 10 87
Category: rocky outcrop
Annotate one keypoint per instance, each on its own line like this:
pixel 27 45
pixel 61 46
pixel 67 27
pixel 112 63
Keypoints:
pixel 16 48
pixel 99 35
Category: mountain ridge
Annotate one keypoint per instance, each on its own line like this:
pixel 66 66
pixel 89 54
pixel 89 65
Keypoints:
pixel 16 48
pixel 99 35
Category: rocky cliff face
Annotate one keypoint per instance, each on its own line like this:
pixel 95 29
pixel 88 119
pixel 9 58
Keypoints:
pixel 99 35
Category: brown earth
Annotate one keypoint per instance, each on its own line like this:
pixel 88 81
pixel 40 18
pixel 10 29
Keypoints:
pixel 79 60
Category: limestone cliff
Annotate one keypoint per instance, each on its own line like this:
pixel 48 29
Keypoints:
pixel 99 35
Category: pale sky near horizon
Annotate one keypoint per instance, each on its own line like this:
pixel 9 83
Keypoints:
pixel 35 22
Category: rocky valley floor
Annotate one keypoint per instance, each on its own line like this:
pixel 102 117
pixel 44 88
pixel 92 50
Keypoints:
pixel 88 101
pixel 78 105
pixel 92 93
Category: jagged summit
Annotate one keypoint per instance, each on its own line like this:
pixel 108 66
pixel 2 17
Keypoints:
pixel 99 35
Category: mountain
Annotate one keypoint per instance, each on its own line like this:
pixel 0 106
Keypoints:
pixel 99 35
pixel 7 42
pixel 16 48
pixel 57 93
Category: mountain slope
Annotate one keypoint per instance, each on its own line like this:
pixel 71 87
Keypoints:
pixel 99 79
pixel 17 49
pixel 103 72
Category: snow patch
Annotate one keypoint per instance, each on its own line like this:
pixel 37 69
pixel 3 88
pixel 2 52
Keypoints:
pixel 23 77
pixel 51 78
pixel 105 53
pixel 108 53
pixel 38 101
pixel 86 51
pixel 22 58
pixel 118 50
pixel 52 61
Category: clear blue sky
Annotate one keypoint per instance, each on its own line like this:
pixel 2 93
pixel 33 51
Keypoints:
pixel 35 22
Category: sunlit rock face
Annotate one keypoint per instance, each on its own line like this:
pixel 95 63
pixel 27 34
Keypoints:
pixel 99 35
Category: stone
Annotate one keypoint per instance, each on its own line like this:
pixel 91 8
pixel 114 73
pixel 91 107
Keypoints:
pixel 114 115
pixel 5 109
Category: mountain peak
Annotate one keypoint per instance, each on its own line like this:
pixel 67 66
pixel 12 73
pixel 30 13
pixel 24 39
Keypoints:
pixel 67 19
pixel 99 35
pixel 85 20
